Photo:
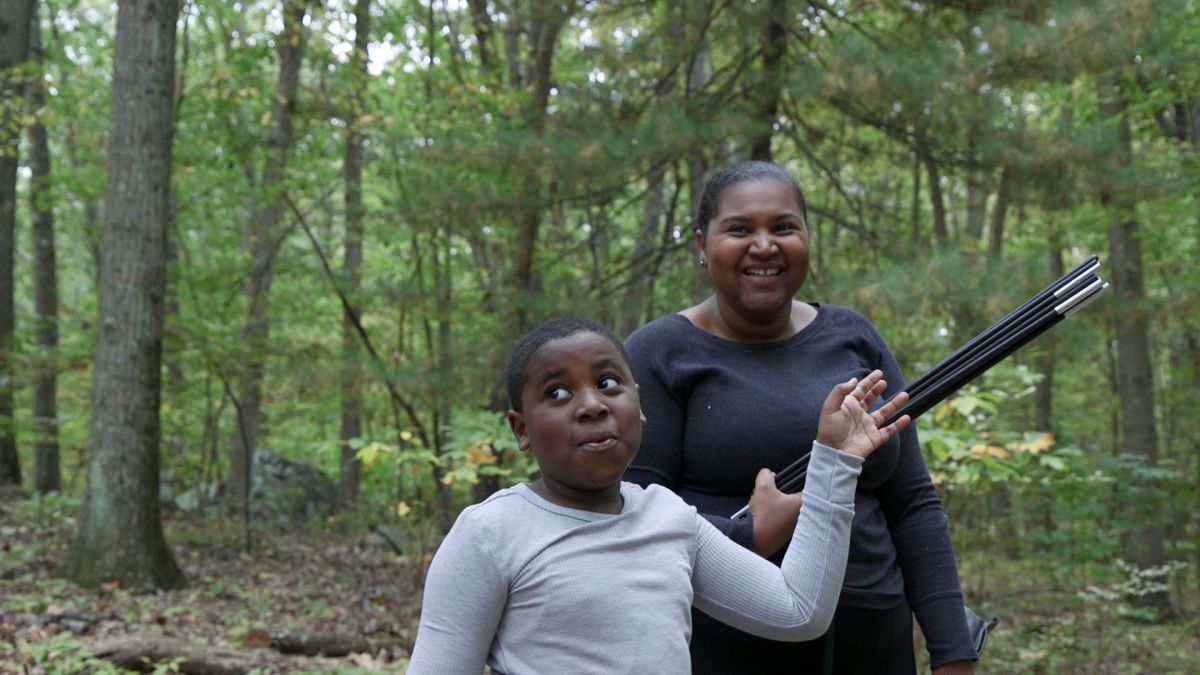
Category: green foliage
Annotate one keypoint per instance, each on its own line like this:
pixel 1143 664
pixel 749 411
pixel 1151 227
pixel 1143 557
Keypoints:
pixel 965 449
pixel 64 653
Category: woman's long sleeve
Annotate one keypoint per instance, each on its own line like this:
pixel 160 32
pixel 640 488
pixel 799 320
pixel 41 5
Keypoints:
pixel 924 551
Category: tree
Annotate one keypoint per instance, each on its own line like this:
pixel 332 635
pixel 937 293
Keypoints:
pixel 352 380
pixel 15 18
pixel 120 531
pixel 262 241
pixel 46 474
pixel 1135 374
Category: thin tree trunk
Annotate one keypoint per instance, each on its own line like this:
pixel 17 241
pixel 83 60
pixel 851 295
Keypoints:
pixel 544 41
pixel 1000 214
pixel 1043 418
pixel 915 210
pixel 941 234
pixel 47 477
pixel 15 18
pixel 352 379
pixel 699 75
pixel 262 242
pixel 768 91
pixel 120 529
pixel 633 310
pixel 1135 383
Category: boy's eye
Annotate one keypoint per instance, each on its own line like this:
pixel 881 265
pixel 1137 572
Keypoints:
pixel 558 393
pixel 608 382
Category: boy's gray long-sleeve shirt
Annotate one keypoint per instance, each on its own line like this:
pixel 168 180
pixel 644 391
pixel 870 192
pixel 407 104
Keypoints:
pixel 526 586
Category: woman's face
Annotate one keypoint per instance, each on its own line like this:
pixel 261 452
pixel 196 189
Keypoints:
pixel 757 249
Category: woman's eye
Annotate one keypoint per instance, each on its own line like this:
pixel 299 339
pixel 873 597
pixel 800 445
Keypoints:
pixel 558 394
pixel 608 382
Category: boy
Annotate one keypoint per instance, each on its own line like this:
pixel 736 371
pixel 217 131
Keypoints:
pixel 580 572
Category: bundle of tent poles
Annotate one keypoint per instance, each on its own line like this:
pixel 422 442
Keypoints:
pixel 1066 296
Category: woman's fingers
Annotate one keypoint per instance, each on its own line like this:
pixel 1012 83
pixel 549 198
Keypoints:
pixel 888 409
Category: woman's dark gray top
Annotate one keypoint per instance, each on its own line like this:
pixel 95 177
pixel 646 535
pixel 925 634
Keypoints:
pixel 717 411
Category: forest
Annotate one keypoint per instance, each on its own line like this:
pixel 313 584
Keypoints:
pixel 262 263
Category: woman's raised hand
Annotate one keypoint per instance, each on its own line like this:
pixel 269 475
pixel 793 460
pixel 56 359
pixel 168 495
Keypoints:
pixel 847 424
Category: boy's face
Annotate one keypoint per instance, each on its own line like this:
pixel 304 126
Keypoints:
pixel 582 418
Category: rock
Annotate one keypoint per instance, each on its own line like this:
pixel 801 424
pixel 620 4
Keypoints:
pixel 289 491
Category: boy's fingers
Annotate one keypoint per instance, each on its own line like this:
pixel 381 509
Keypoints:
pixel 764 480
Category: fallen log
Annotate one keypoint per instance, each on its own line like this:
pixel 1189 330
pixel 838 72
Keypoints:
pixel 319 644
pixel 142 652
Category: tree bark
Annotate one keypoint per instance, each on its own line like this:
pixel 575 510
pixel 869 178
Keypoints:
pixel 120 529
pixel 352 167
pixel 941 234
pixel 1043 418
pixel 262 242
pixel 1000 214
pixel 700 74
pixel 544 40
pixel 14 48
pixel 47 476
pixel 1135 383
pixel 768 91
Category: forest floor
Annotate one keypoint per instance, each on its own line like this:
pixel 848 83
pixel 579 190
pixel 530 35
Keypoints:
pixel 326 585
pixel 343 588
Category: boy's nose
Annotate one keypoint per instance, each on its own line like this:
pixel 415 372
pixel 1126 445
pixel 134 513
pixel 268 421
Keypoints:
pixel 591 404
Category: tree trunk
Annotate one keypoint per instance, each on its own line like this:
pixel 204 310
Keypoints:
pixel 262 241
pixel 1135 383
pixel 941 233
pixel 352 379
pixel 544 40
pixel 47 477
pixel 767 93
pixel 15 18
pixel 699 75
pixel 1043 418
pixel 1000 214
pixel 120 529
pixel 641 273
pixel 915 210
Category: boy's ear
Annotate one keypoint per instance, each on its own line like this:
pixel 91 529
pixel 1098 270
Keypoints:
pixel 516 422
pixel 641 413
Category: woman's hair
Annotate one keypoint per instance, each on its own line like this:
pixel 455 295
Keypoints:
pixel 743 172
pixel 516 374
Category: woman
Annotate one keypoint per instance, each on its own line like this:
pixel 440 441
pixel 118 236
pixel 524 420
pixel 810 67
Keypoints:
pixel 735 383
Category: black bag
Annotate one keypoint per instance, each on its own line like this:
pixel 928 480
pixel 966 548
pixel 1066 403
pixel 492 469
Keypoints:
pixel 979 629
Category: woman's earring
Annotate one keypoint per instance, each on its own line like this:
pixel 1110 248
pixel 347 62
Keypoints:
pixel 703 261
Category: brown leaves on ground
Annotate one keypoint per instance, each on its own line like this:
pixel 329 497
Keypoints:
pixel 292 585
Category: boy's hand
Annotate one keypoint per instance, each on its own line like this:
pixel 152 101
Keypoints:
pixel 845 423
pixel 774 514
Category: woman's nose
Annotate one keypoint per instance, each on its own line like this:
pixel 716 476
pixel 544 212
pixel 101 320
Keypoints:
pixel 762 243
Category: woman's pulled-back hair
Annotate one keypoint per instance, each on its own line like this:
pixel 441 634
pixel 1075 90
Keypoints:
pixel 516 374
pixel 743 172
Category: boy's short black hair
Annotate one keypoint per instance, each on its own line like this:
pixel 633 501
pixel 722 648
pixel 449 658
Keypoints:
pixel 516 374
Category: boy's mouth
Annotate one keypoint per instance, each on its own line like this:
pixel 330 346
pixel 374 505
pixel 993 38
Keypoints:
pixel 599 442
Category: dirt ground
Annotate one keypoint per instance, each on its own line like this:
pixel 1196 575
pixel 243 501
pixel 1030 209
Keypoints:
pixel 323 585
